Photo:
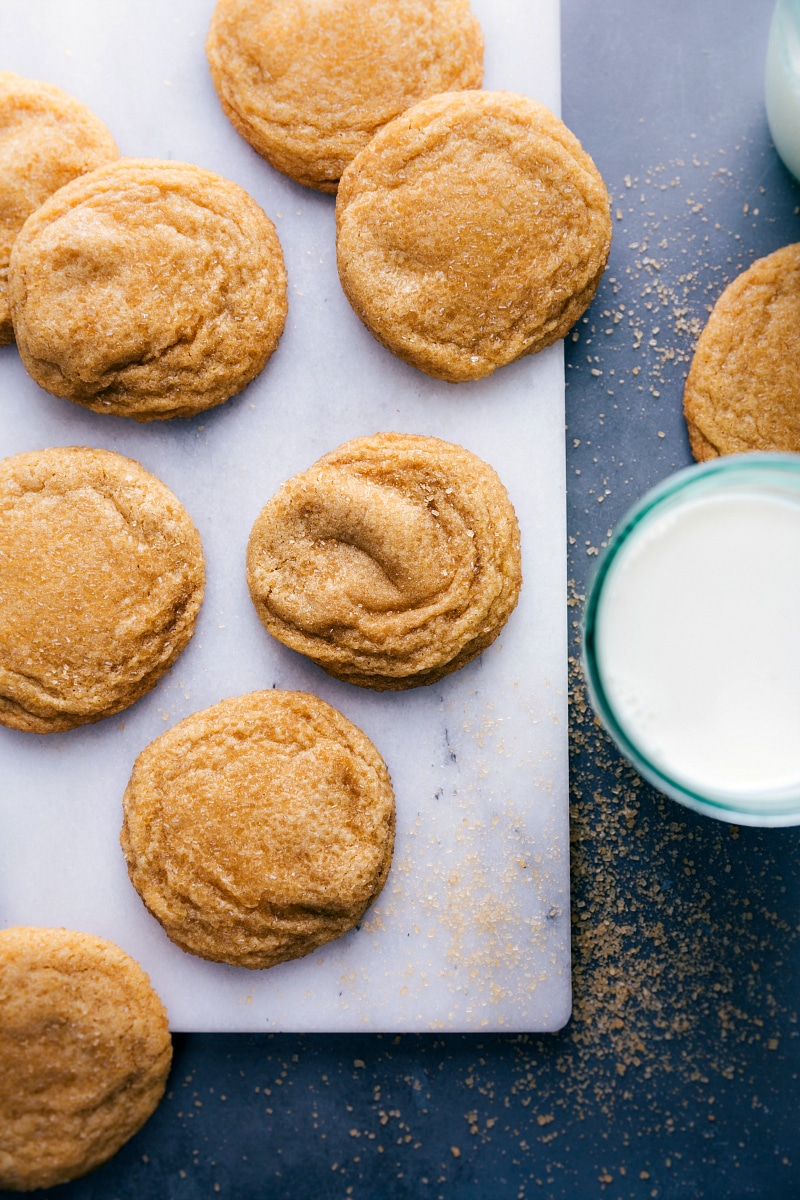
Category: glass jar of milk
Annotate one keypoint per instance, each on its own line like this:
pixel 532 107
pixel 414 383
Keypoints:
pixel 782 83
pixel 692 638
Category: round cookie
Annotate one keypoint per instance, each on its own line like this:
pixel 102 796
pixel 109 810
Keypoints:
pixel 471 230
pixel 47 138
pixel 743 388
pixel 308 83
pixel 391 562
pixel 84 1054
pixel 101 579
pixel 147 289
pixel 259 829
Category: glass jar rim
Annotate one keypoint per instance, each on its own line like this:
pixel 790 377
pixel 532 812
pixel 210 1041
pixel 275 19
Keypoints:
pixel 778 807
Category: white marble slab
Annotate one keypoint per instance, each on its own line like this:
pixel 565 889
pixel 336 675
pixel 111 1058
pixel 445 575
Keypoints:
pixel 472 930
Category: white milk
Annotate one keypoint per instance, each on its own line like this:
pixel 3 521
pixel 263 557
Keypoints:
pixel 782 82
pixel 697 641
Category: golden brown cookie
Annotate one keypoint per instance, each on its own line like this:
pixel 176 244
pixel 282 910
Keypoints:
pixel 259 829
pixel 309 83
pixel 471 230
pixel 84 1054
pixel 147 289
pixel 47 138
pixel 101 578
pixel 743 389
pixel 391 562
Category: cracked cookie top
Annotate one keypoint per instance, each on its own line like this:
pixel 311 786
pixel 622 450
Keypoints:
pixel 471 230
pixel 147 289
pixel 259 829
pixel 391 562
pixel 101 579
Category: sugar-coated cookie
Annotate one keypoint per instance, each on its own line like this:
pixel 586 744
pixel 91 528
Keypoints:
pixel 47 138
pixel 101 579
pixel 743 388
pixel 84 1054
pixel 390 562
pixel 471 230
pixel 147 289
pixel 259 829
pixel 308 82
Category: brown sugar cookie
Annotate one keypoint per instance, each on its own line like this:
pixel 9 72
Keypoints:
pixel 309 83
pixel 147 289
pixel 471 230
pixel 47 138
pixel 391 562
pixel 259 829
pixel 101 578
pixel 84 1054
pixel 743 388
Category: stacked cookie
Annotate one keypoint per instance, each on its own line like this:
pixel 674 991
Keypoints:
pixel 141 288
pixel 47 138
pixel 309 85
pixel 472 228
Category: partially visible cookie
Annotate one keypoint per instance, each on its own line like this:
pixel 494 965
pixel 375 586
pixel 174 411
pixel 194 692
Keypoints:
pixel 259 829
pixel 471 230
pixel 101 579
pixel 390 562
pixel 47 138
pixel 84 1054
pixel 308 84
pixel 147 289
pixel 743 388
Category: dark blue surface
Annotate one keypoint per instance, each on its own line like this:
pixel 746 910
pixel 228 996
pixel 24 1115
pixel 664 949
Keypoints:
pixel 678 1075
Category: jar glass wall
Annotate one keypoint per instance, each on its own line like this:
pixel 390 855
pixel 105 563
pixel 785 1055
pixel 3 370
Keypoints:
pixel 782 82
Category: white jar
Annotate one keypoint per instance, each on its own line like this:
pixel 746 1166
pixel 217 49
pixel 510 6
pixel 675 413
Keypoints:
pixel 782 82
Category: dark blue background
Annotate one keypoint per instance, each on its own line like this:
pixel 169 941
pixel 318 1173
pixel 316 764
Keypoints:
pixel 677 1076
